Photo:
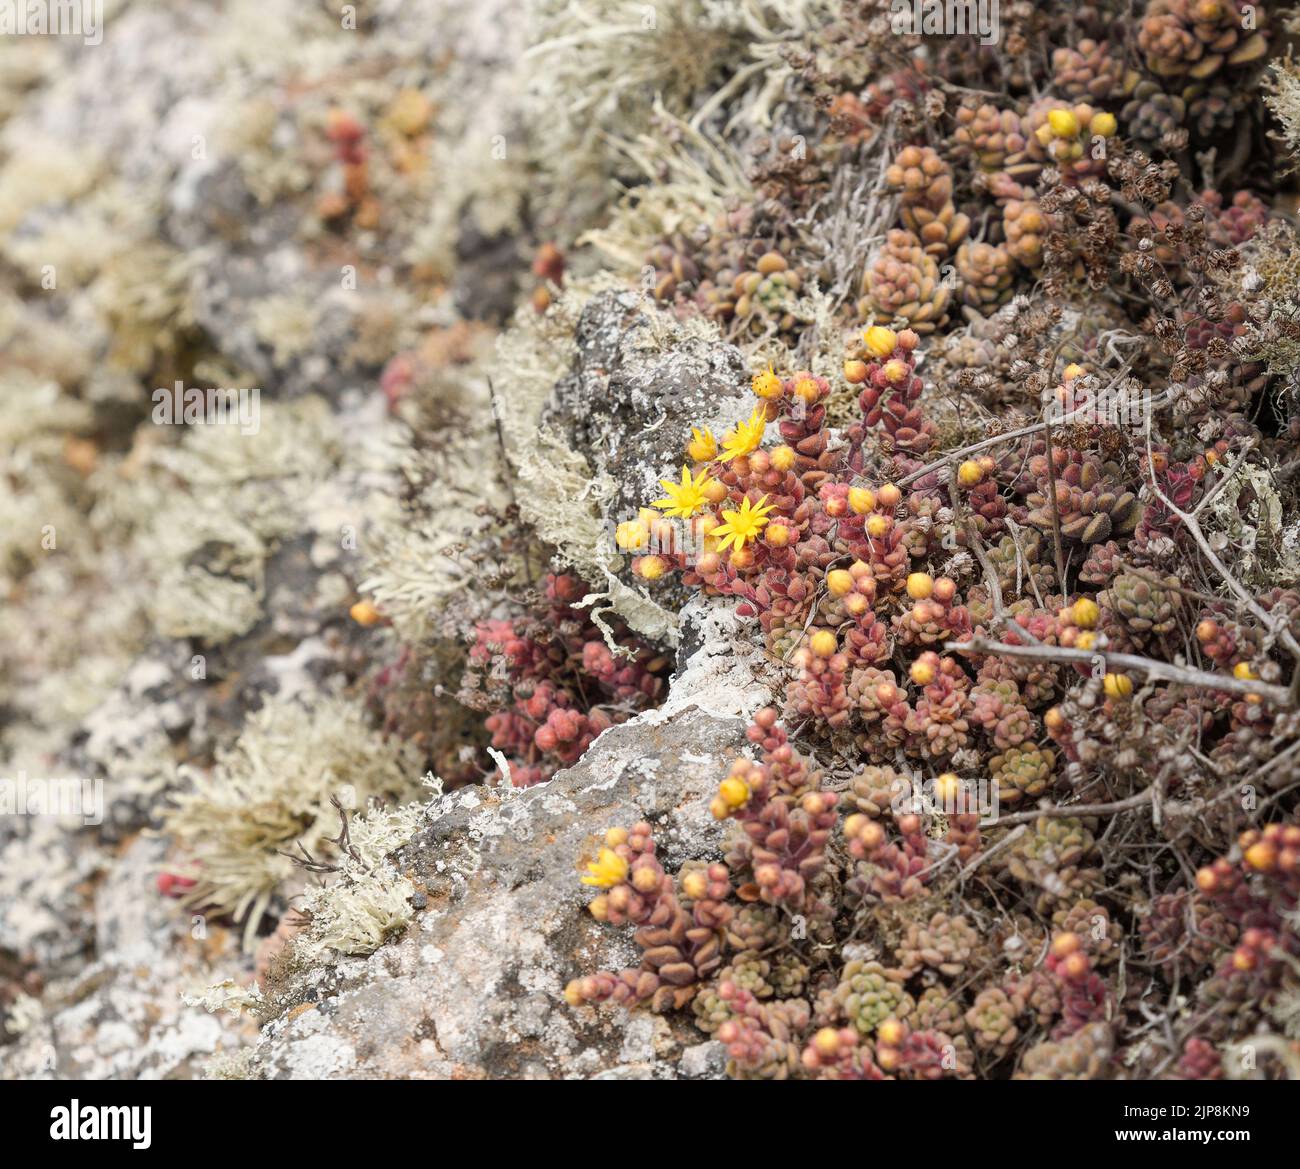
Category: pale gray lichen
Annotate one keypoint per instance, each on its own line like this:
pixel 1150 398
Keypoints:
pixel 367 900
pixel 218 504
pixel 270 794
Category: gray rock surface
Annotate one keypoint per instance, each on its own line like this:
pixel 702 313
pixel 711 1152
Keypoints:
pixel 636 389
pixel 122 1015
pixel 474 988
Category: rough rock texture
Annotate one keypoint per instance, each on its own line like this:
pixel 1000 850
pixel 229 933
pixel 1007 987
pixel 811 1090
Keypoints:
pixel 122 1016
pixel 637 387
pixel 474 987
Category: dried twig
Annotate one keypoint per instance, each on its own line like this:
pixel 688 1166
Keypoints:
pixel 1155 670
pixel 1278 631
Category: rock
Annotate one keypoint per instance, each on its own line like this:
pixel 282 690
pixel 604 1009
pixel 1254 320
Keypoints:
pixel 640 382
pixel 474 987
pixel 704 1061
pixel 122 1016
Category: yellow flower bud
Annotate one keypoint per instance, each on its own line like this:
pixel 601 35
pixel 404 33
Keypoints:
pixel 632 536
pixel 1103 124
pixel 782 458
pixel 703 447
pixel 807 390
pixel 715 491
pixel 891 1032
pixel 1243 671
pixel 970 474
pixel 766 384
pixel 650 567
pixel 880 342
pixel 734 792
pixel 827 1042
pixel 862 500
pixel 1064 124
pixel 895 371
pixel 920 585
pixel 1117 685
pixel 364 613
pixel 839 582
pixel 1085 613
pixel 823 643
pixel 878 526
pixel 695 884
pixel 1262 857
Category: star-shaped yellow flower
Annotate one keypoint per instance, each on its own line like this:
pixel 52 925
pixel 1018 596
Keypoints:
pixel 685 498
pixel 607 871
pixel 703 447
pixel 746 437
pixel 742 526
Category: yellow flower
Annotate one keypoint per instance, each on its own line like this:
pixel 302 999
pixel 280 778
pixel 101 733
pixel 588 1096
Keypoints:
pixel 685 498
pixel 703 447
pixel 608 870
pixel 767 384
pixel 746 437
pixel 742 526
pixel 881 342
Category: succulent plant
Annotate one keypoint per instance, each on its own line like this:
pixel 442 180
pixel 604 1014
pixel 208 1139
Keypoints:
pixel 1147 605
pixel 1155 118
pixel 1196 38
pixel 1024 224
pixel 1092 71
pixel 1091 503
pixel 986 273
pixel 1081 1056
pixel 867 994
pixel 927 209
pixel 988 135
pixel 1022 772
pixel 944 943
pixel 903 286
